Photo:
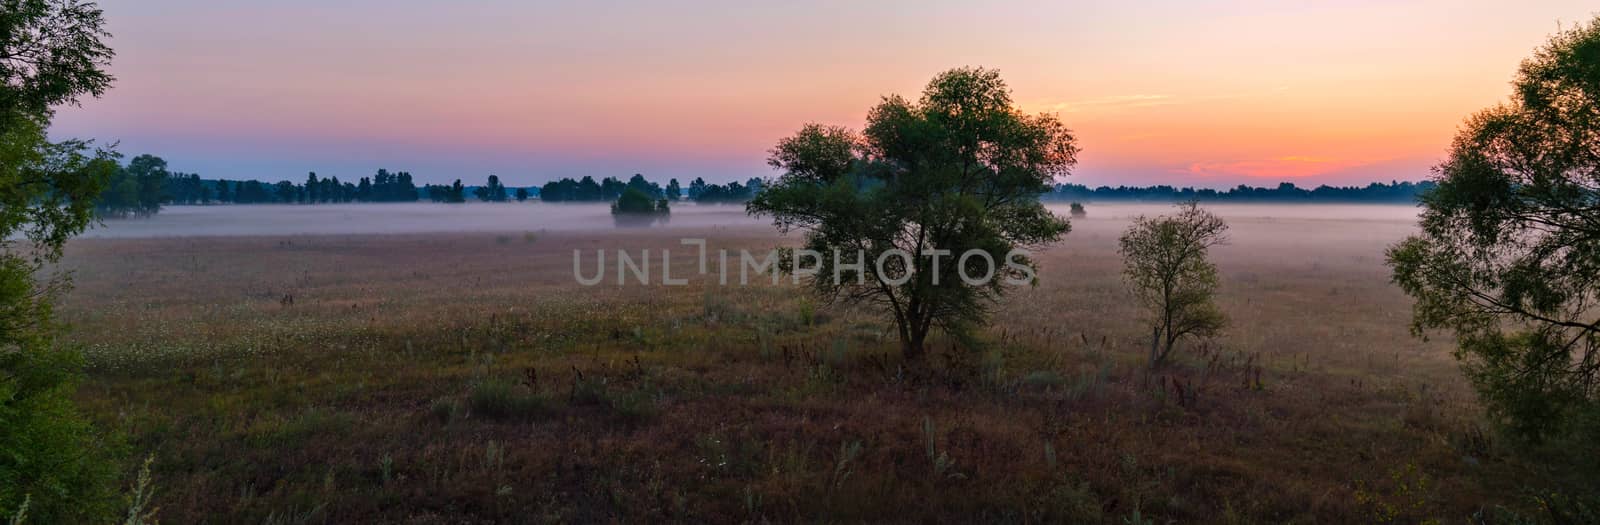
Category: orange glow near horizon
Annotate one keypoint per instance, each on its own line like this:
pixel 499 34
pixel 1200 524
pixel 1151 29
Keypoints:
pixel 1162 93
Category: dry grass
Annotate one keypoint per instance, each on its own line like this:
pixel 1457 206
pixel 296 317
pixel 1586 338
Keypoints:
pixel 458 378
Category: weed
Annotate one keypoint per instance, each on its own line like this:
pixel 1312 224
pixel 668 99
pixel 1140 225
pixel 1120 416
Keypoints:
pixel 634 405
pixel 140 510
pixel 848 452
pixel 445 410
pixel 943 466
pixel 494 456
pixel 295 516
pixel 1089 383
pixel 1403 501
pixel 502 400
pixel 22 511
pixel 1068 503
pixel 386 468
pixel 1043 380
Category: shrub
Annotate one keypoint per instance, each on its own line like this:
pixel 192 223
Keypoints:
pixel 50 457
pixel 635 201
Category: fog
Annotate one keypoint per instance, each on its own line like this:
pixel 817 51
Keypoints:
pixel 271 219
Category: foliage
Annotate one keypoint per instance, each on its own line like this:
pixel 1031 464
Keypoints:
pixel 701 191
pixel 674 192
pixel 454 193
pixel 611 188
pixel 494 191
pixel 1508 259
pixel 1167 269
pixel 51 53
pixel 960 170
pixel 50 458
pixel 635 201
pixel 137 189
pixel 587 190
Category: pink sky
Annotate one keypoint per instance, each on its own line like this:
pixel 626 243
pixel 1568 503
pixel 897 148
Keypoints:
pixel 1158 92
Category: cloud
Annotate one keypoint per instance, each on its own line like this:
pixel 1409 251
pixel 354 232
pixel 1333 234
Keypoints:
pixel 1113 102
pixel 1290 166
pixel 1135 101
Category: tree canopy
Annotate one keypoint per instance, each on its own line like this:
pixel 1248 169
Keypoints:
pixel 959 170
pixel 1508 258
pixel 51 53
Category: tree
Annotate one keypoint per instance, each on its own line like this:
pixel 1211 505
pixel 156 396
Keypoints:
pixel 1168 271
pixel 455 193
pixel 696 187
pixel 312 189
pixel 959 170
pixel 1508 257
pixel 674 191
pixel 636 201
pixel 494 191
pixel 522 194
pixel 587 190
pixel 51 53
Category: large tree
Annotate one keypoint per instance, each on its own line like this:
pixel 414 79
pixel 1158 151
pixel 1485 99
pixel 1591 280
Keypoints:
pixel 50 54
pixel 959 170
pixel 1508 258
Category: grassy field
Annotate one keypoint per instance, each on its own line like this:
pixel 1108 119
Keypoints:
pixel 466 378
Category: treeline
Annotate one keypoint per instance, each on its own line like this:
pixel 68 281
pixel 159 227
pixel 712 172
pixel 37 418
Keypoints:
pixel 494 191
pixel 140 188
pixel 700 191
pixel 1393 192
pixel 381 187
pixel 145 184
pixel 609 189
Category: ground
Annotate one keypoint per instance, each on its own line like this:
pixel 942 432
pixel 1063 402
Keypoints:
pixel 467 378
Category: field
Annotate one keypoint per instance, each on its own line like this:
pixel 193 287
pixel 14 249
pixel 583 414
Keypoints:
pixel 465 377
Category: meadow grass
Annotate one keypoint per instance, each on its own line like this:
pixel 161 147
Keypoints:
pixel 450 378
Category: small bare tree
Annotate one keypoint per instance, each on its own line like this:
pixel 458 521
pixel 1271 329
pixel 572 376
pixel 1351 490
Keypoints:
pixel 1167 269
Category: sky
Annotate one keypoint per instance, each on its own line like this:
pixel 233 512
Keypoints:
pixel 1209 94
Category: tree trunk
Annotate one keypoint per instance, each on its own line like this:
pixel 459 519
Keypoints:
pixel 1155 346
pixel 911 345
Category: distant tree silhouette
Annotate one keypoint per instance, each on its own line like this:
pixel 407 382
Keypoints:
pixel 522 194
pixel 674 192
pixel 137 189
pixel 1286 192
pixel 636 201
pixel 494 191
